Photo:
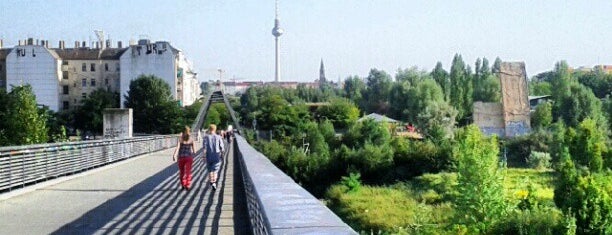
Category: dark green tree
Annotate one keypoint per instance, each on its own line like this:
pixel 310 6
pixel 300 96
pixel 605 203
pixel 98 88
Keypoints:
pixel 23 124
pixel 376 97
pixel 354 87
pixel 461 91
pixel 341 112
pixel 540 88
pixel 442 78
pixel 89 116
pixel 154 110
pixel 542 116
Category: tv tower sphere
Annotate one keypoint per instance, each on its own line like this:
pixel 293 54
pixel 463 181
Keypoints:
pixel 277 31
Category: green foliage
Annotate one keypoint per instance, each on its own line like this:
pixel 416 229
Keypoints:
pixel 599 82
pixel 354 87
pixel 539 160
pixel 480 190
pixel 413 158
pixel 437 120
pixel 341 112
pixel 329 134
pixel 461 88
pixel 387 210
pixel 376 96
pixel 154 109
pixel 442 78
pixel 374 161
pixel 23 123
pixel 538 220
pixel 352 182
pixel 542 116
pixel 519 148
pixel 218 115
pixel 540 88
pixel 89 116
pixel 589 146
pixel 367 131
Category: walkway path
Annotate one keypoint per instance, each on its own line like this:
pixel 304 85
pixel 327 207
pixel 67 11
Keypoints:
pixel 142 196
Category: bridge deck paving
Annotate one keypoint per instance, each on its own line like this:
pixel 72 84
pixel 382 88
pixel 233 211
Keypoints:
pixel 142 196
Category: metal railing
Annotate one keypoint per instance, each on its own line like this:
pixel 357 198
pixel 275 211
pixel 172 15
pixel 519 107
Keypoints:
pixel 30 164
pixel 278 205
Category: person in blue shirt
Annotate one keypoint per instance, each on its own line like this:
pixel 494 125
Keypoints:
pixel 213 147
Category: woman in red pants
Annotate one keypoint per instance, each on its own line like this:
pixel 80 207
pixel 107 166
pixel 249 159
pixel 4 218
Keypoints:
pixel 185 151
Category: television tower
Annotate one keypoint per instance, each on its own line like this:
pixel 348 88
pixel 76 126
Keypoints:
pixel 277 32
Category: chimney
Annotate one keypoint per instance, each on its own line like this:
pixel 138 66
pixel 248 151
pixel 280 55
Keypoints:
pixel 30 41
pixel 19 43
pixel 0 43
pixel 108 43
pixel 47 43
pixel 76 44
pixel 61 44
pixel 119 44
pixel 84 44
pixel 42 43
pixel 97 45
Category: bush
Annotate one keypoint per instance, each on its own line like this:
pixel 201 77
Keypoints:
pixel 539 160
pixel 539 220
pixel 518 148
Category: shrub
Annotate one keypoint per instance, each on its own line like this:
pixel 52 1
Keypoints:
pixel 539 220
pixel 539 160
pixel 518 148
pixel 352 182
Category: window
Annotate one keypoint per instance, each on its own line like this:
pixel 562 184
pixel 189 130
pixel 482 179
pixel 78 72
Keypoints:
pixel 66 105
pixel 117 68
pixel 106 81
pixel 93 82
pixel 84 67
pixel 65 89
pixel 83 82
pixel 93 67
pixel 105 66
pixel 64 74
pixel 83 95
pixel 64 62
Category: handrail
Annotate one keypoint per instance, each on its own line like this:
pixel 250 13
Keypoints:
pixel 29 164
pixel 278 205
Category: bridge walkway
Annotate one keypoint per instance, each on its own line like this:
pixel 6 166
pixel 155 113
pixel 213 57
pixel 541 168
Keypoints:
pixel 138 196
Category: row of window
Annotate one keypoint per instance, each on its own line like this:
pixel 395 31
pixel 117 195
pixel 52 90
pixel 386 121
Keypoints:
pixel 66 88
pixel 92 67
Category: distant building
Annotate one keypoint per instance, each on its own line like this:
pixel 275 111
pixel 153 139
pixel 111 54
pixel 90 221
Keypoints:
pixel 62 77
pixel 322 79
pixel 164 61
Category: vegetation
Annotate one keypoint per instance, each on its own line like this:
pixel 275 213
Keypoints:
pixel 23 122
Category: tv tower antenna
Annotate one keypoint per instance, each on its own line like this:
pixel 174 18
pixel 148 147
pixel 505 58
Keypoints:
pixel 277 32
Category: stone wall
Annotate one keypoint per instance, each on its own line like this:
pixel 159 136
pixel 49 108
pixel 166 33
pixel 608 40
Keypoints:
pixel 118 123
pixel 515 101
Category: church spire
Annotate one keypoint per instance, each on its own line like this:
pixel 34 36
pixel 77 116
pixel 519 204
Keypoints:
pixel 322 78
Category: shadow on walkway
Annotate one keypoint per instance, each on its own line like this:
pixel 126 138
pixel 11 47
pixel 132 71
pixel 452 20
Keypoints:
pixel 158 205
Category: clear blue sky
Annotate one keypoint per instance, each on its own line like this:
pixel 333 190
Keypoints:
pixel 351 36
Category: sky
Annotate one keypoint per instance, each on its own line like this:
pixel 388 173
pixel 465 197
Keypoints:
pixel 350 36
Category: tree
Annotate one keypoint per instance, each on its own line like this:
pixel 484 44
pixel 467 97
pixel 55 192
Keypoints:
pixel 461 90
pixel 154 109
pixel 442 78
pixel 341 112
pixel 542 116
pixel 376 97
pixel 480 197
pixel 89 116
pixel 589 146
pixel 540 88
pixel 400 100
pixel 437 120
pixel 23 124
pixel 580 103
pixel 354 88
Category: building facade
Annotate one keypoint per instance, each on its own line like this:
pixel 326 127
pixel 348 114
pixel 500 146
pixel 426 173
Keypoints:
pixel 62 77
pixel 161 60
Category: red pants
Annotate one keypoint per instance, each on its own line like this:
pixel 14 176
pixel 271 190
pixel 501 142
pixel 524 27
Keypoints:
pixel 184 164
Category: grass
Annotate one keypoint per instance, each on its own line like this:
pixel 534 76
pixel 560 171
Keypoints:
pixel 518 181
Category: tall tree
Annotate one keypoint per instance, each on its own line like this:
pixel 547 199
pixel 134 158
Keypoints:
pixel 441 77
pixel 341 112
pixel 461 90
pixel 354 88
pixel 89 116
pixel 154 109
pixel 376 98
pixel 480 197
pixel 24 124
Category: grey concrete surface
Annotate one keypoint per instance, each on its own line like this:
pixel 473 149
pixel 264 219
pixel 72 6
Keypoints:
pixel 142 196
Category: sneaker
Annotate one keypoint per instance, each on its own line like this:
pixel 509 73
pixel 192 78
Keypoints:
pixel 214 186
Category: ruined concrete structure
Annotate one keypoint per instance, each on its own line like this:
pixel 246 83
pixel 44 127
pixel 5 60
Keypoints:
pixel 511 117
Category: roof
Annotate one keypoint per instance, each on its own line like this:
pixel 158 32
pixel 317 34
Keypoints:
pixel 89 54
pixel 538 97
pixel 378 118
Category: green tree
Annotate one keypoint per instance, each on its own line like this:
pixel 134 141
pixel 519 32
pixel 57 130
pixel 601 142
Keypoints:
pixel 354 88
pixel 367 131
pixel 589 146
pixel 341 112
pixel 437 120
pixel 461 90
pixel 154 109
pixel 376 97
pixel 23 124
pixel 480 188
pixel 89 116
pixel 400 100
pixel 578 105
pixel 540 88
pixel 542 116
pixel 442 78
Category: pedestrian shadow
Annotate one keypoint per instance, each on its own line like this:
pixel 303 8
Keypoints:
pixel 157 205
